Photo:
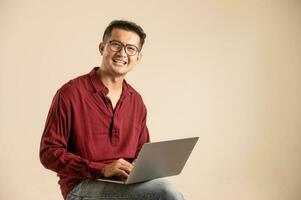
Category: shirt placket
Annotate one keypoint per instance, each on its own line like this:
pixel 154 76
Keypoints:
pixel 114 128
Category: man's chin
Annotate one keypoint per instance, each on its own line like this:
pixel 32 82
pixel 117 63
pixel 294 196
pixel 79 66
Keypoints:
pixel 119 73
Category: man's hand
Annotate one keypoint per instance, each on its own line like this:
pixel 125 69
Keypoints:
pixel 134 162
pixel 119 168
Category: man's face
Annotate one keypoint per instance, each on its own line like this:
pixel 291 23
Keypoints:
pixel 118 63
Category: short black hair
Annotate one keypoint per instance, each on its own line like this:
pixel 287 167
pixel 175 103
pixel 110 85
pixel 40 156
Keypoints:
pixel 125 25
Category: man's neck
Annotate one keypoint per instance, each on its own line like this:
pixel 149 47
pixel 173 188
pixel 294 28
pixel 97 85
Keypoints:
pixel 111 82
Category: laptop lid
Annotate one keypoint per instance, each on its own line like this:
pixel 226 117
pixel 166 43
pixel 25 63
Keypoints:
pixel 161 159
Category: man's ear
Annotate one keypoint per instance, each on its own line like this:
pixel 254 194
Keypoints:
pixel 139 57
pixel 101 47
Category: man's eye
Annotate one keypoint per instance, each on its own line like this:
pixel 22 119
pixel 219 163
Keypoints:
pixel 115 44
pixel 130 48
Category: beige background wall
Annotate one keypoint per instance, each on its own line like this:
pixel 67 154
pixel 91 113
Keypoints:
pixel 226 71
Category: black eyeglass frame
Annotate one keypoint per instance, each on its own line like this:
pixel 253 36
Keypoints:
pixel 123 46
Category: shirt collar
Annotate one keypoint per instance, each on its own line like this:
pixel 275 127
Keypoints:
pixel 100 87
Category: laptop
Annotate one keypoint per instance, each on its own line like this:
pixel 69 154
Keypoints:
pixel 159 159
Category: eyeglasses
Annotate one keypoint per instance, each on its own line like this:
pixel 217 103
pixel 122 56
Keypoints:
pixel 117 46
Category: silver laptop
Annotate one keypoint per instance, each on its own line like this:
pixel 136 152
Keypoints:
pixel 159 159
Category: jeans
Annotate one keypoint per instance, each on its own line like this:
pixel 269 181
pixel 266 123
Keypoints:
pixel 157 189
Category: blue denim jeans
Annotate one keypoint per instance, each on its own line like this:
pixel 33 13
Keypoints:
pixel 157 189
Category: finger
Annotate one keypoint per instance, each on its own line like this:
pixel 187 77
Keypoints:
pixel 133 163
pixel 125 163
pixel 127 168
pixel 124 168
pixel 119 164
pixel 111 169
pixel 122 173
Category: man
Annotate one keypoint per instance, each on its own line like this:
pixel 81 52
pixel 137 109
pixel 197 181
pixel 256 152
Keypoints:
pixel 96 125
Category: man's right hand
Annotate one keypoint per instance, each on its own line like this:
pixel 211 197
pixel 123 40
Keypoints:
pixel 119 168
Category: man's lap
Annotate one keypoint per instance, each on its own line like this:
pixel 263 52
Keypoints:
pixel 157 189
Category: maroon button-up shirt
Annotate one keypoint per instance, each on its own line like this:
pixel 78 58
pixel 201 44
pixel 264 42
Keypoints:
pixel 83 133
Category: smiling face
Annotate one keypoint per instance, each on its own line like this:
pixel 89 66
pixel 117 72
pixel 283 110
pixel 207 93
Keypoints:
pixel 119 63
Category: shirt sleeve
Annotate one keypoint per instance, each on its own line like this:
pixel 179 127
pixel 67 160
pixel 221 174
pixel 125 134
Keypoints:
pixel 54 144
pixel 144 133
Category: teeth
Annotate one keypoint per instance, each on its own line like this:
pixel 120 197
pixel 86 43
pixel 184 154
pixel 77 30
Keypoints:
pixel 119 61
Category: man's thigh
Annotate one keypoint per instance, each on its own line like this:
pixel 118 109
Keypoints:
pixel 158 189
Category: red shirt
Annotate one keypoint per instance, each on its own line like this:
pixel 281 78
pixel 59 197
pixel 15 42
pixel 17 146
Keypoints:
pixel 83 133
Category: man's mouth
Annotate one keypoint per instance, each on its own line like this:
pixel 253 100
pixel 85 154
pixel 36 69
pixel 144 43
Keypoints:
pixel 119 61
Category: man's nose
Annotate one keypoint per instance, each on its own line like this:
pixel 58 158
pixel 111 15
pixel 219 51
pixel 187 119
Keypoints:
pixel 122 51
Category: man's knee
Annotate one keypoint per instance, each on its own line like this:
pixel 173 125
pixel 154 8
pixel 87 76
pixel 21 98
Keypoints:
pixel 169 192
